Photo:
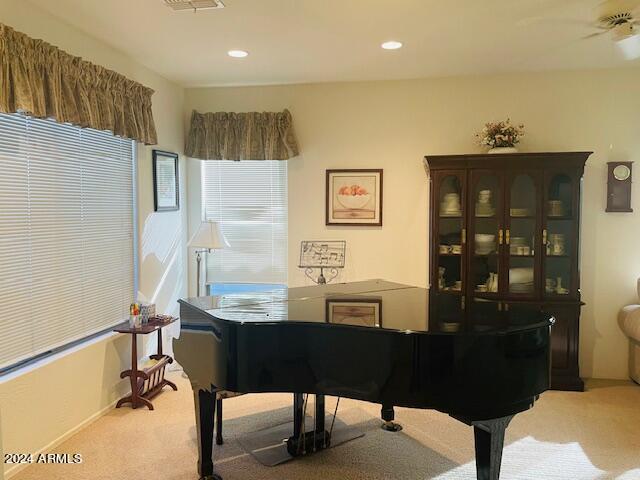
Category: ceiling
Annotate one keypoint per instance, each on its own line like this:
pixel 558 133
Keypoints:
pixel 302 41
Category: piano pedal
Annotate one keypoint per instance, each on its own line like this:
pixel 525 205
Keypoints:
pixel 391 426
pixel 308 443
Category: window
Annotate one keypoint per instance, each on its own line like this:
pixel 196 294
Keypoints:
pixel 66 234
pixel 249 199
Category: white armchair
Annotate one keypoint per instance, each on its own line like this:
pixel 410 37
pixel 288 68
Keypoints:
pixel 629 320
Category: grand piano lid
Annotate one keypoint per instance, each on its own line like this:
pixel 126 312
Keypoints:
pixel 283 293
pixel 374 304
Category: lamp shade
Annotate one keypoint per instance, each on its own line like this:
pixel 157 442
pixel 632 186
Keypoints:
pixel 209 236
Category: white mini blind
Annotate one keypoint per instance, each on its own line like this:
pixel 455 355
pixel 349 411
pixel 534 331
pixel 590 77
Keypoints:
pixel 66 234
pixel 249 199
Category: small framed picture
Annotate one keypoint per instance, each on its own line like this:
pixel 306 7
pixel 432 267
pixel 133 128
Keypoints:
pixel 166 182
pixel 359 311
pixel 354 197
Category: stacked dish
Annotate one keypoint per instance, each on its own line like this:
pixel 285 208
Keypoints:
pixel 520 212
pixel 556 208
pixel 450 206
pixel 521 280
pixel 518 246
pixel 483 206
pixel 485 243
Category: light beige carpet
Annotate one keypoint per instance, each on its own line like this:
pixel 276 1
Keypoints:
pixel 566 436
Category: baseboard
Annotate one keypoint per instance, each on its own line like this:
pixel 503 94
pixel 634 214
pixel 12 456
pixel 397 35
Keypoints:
pixel 47 448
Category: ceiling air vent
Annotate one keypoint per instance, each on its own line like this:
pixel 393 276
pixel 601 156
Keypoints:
pixel 194 5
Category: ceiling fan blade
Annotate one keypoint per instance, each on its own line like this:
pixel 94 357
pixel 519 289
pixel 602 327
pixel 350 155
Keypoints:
pixel 541 19
pixel 555 12
pixel 593 35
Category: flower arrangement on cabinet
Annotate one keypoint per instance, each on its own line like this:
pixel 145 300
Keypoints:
pixel 498 135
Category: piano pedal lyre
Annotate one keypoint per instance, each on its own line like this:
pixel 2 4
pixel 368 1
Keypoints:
pixel 303 442
pixel 388 416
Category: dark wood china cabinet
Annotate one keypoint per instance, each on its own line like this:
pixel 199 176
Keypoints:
pixel 505 234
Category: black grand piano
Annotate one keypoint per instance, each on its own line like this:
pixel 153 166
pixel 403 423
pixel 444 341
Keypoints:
pixel 375 341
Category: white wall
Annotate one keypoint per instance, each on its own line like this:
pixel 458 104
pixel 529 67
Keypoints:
pixel 43 405
pixel 392 125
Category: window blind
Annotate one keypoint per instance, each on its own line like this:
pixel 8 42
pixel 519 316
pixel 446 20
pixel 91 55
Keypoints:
pixel 249 199
pixel 66 234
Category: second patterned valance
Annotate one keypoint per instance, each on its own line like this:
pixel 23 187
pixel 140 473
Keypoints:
pixel 241 136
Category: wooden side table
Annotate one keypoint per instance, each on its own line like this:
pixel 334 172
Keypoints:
pixel 148 382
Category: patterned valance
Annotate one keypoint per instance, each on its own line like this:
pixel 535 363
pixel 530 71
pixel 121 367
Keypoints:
pixel 43 81
pixel 241 136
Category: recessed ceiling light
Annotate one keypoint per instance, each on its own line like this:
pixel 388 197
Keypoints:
pixel 237 53
pixel 391 45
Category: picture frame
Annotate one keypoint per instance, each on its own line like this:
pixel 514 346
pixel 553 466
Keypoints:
pixel 166 181
pixel 355 311
pixel 354 197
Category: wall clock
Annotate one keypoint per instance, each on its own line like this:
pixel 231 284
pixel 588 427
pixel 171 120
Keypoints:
pixel 619 187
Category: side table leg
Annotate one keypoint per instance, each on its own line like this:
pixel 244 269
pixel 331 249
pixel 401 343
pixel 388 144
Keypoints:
pixel 134 371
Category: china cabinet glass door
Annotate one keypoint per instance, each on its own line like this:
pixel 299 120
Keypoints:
pixel 451 232
pixel 522 234
pixel 559 236
pixel 485 232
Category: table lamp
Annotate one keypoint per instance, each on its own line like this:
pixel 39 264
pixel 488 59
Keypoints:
pixel 207 238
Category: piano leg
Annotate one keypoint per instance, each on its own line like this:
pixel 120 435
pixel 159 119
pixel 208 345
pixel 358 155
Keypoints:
pixel 388 415
pixel 489 437
pixel 219 439
pixel 205 403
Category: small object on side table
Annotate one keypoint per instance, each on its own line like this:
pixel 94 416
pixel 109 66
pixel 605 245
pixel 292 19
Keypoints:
pixel 148 382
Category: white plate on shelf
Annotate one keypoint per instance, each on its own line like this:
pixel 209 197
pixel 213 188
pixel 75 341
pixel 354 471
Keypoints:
pixel 521 276
pixel 520 212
